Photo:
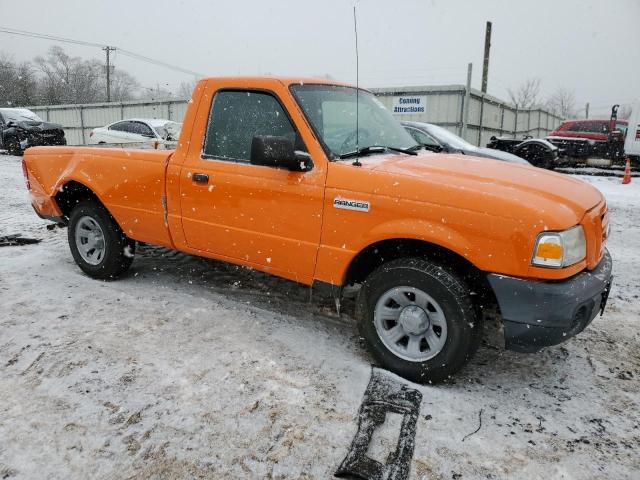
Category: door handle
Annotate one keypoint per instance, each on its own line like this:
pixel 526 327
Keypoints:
pixel 200 178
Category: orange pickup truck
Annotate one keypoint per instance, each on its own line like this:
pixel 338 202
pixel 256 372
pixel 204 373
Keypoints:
pixel 278 175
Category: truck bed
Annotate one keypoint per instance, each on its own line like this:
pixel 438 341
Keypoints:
pixel 129 182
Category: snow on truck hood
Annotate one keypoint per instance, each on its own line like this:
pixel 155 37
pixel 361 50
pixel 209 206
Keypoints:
pixel 481 184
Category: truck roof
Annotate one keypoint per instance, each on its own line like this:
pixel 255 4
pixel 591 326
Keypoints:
pixel 284 80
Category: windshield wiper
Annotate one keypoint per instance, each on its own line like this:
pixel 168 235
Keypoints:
pixel 376 149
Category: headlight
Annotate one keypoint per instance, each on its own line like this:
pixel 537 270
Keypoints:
pixel 560 249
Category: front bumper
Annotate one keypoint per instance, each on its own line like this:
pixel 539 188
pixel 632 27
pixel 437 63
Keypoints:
pixel 538 314
pixel 45 139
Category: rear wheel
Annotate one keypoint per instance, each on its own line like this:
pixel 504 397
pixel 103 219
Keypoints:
pixel 97 243
pixel 418 320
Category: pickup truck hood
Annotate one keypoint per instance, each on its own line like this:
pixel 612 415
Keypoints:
pixel 508 182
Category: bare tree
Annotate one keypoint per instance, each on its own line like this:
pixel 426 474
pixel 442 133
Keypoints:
pixel 8 70
pixel 186 89
pixel 68 79
pixel 123 86
pixel 562 102
pixel 527 94
pixel 18 83
pixel 157 93
pixel 58 78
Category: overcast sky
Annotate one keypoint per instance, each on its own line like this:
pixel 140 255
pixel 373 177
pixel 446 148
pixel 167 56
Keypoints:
pixel 590 46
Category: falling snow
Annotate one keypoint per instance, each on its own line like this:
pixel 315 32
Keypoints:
pixel 188 368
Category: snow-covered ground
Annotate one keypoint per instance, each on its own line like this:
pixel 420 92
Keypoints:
pixel 188 368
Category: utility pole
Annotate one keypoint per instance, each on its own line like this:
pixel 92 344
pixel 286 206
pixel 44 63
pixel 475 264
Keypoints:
pixel 108 50
pixel 586 110
pixel 485 65
pixel 467 101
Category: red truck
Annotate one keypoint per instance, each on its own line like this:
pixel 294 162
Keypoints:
pixel 278 175
pixel 602 138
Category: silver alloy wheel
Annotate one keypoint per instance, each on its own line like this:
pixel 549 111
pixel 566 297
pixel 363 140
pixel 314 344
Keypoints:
pixel 90 240
pixel 410 323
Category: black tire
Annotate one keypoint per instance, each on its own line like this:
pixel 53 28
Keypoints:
pixel 464 326
pixel 119 249
pixel 538 155
pixel 13 147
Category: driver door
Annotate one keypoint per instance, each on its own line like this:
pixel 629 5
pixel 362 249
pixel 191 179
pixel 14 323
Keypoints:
pixel 255 215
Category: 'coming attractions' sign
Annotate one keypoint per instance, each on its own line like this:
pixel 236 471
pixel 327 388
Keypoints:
pixel 413 104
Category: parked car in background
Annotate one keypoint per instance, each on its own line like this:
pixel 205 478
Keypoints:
pixel 438 139
pixel 21 128
pixel 591 138
pixel 136 130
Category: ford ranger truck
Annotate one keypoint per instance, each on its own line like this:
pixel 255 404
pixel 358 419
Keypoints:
pixel 272 174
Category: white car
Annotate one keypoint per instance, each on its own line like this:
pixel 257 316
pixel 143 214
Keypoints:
pixel 136 130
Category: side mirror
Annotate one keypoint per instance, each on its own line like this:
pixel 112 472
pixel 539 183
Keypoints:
pixel 11 124
pixel 278 152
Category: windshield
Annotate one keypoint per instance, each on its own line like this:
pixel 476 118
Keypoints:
pixel 19 115
pixel 445 136
pixel 331 110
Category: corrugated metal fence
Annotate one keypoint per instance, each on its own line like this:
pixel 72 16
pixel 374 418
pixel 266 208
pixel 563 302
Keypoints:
pixel 488 115
pixel 79 120
pixel 444 106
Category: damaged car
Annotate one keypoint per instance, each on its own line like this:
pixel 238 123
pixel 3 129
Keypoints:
pixel 21 128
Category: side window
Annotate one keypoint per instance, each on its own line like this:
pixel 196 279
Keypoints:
pixel 238 116
pixel 421 137
pixel 140 128
pixel 121 127
pixel 577 127
pixel 118 127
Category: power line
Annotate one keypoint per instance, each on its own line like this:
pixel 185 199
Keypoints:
pixel 158 62
pixel 24 33
pixel 136 56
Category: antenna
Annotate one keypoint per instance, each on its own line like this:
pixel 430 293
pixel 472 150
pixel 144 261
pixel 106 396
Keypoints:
pixel 355 29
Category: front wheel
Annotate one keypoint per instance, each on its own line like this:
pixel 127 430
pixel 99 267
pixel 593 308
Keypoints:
pixel 538 155
pixel 418 320
pixel 97 243
pixel 13 147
